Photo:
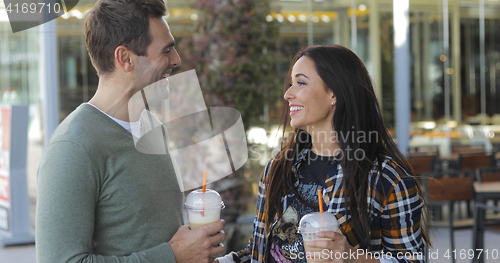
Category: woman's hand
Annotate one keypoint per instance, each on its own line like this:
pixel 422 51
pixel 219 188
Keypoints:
pixel 340 251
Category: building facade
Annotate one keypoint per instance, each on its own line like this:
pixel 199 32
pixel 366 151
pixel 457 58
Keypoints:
pixel 454 55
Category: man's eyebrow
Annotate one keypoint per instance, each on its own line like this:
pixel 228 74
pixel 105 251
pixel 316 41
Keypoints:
pixel 169 45
pixel 300 74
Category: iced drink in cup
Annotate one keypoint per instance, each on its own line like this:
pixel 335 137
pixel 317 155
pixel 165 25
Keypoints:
pixel 311 224
pixel 203 207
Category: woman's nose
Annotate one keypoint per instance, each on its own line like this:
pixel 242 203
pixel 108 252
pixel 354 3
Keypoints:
pixel 289 94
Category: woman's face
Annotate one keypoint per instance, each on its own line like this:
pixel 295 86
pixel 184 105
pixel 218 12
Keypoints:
pixel 310 102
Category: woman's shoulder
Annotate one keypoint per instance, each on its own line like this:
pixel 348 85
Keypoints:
pixel 393 177
pixel 265 173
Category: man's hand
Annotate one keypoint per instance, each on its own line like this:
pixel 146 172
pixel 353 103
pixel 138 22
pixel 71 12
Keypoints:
pixel 200 245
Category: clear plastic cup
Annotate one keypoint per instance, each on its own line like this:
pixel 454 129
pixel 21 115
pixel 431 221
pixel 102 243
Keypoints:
pixel 203 207
pixel 311 224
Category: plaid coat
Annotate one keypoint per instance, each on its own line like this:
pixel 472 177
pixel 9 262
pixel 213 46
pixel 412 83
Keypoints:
pixel 395 213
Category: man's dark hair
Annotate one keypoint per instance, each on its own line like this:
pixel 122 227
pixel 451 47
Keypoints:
pixel 112 23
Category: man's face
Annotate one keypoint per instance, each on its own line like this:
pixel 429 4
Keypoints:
pixel 161 56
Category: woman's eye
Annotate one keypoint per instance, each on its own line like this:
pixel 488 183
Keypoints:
pixel 301 83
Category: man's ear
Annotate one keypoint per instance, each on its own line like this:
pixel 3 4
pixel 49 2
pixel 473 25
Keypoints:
pixel 124 58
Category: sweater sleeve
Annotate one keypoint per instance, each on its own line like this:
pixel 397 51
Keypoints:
pixel 244 255
pixel 240 256
pixel 68 191
pixel 256 249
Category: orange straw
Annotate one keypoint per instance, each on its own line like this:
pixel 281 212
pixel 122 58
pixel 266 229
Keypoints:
pixel 320 199
pixel 204 189
pixel 204 181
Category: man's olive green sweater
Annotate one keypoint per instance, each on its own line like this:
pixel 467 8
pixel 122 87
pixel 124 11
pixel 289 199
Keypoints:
pixel 101 200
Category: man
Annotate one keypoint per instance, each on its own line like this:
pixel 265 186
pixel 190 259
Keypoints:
pixel 100 199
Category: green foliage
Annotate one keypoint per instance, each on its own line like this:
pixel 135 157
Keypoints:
pixel 235 53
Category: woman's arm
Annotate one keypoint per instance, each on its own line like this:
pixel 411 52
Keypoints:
pixel 258 234
pixel 400 220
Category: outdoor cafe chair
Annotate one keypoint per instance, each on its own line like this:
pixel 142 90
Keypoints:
pixel 470 161
pixel 484 220
pixel 467 148
pixel 445 190
pixel 423 162
pixel 491 174
pixel 475 160
pixel 424 149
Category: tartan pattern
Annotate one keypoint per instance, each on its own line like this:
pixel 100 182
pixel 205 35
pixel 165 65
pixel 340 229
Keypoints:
pixel 394 208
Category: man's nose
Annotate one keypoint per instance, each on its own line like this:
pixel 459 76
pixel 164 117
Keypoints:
pixel 176 60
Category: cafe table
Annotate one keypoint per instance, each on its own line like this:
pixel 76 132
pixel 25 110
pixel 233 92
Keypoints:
pixel 483 191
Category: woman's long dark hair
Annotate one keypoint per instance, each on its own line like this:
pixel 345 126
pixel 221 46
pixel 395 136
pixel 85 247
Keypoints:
pixel 357 112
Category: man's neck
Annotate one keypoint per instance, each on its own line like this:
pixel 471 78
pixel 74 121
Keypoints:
pixel 113 97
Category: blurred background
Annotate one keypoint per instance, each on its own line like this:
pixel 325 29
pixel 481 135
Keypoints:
pixel 241 51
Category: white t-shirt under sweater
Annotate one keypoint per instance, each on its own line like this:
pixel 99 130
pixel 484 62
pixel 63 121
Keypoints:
pixel 132 127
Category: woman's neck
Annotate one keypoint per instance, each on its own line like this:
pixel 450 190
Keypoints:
pixel 325 145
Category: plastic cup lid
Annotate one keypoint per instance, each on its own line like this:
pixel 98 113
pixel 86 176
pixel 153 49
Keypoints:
pixel 199 200
pixel 316 222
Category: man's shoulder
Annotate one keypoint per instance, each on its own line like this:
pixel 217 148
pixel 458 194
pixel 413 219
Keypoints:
pixel 81 125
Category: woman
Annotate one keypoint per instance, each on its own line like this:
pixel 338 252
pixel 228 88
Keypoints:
pixel 339 145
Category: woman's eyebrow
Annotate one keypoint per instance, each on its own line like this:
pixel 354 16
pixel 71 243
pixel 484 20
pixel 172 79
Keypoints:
pixel 300 74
